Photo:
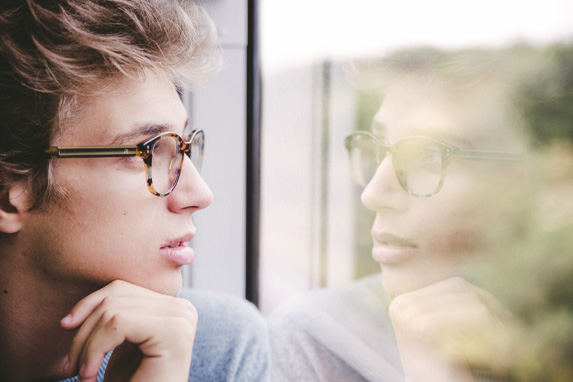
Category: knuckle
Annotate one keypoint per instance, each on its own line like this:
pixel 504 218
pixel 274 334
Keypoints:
pixel 181 302
pixel 108 302
pixel 115 321
pixel 484 313
pixel 403 307
pixel 460 283
pixel 186 328
pixel 109 316
pixel 187 308
pixel 116 284
pixel 425 326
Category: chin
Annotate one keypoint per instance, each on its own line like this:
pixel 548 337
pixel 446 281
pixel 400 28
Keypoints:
pixel 396 284
pixel 397 280
pixel 170 285
pixel 390 290
pixel 172 289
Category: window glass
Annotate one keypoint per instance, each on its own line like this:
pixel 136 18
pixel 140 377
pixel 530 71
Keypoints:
pixel 465 146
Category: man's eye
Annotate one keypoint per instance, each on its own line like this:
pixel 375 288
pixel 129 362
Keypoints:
pixel 421 155
pixel 431 157
pixel 430 160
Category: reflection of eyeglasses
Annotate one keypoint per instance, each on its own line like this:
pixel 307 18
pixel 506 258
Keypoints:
pixel 419 162
pixel 162 155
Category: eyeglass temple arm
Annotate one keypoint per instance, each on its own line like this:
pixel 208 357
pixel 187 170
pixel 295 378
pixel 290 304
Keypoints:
pixel 487 155
pixel 93 151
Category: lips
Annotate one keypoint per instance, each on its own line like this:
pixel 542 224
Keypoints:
pixel 392 249
pixel 176 252
pixel 179 241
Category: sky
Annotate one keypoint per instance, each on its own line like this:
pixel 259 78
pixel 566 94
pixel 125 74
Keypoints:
pixel 297 31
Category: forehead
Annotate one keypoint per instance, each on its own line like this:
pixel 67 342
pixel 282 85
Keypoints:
pixel 477 116
pixel 121 109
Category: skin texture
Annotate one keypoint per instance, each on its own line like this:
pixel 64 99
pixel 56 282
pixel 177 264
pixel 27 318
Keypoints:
pixel 424 245
pixel 159 329
pixel 109 210
pixel 98 255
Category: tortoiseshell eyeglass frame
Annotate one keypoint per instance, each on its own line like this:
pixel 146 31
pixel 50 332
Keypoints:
pixel 143 150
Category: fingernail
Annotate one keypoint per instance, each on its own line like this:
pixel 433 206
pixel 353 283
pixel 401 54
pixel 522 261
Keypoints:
pixel 66 320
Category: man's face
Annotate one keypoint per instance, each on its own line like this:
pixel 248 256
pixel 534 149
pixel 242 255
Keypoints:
pixel 419 241
pixel 110 226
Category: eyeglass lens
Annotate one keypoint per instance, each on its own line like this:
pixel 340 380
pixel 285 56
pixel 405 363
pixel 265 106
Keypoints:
pixel 196 153
pixel 165 163
pixel 418 163
pixel 167 160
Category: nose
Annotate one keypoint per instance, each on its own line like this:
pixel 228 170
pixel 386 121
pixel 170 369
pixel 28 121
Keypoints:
pixel 191 192
pixel 384 191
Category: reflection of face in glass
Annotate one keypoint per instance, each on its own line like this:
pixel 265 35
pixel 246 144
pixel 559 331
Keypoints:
pixel 421 240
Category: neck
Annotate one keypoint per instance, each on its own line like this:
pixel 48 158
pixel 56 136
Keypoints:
pixel 33 346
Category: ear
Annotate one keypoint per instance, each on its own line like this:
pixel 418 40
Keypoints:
pixel 13 206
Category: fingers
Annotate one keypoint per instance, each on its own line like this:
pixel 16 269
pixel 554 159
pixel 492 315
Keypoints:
pixel 110 331
pixel 459 320
pixel 161 326
pixel 87 305
pixel 452 293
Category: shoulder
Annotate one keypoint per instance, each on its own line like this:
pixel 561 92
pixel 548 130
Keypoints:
pixel 221 308
pixel 231 343
pixel 361 300
pixel 337 333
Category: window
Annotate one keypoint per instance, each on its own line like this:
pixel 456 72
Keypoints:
pixel 314 231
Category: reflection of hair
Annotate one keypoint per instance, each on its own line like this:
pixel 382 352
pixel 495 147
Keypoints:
pixel 457 69
pixel 546 98
pixel 538 81
pixel 460 69
pixel 52 52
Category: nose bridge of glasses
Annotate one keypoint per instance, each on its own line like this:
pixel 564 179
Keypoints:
pixel 384 151
pixel 185 146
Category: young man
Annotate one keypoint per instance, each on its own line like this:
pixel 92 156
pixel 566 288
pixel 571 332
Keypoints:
pixel 98 182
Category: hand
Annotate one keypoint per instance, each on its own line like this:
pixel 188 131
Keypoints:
pixel 446 329
pixel 152 333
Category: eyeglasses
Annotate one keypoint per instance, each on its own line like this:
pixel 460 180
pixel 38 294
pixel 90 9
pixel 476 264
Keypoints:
pixel 419 162
pixel 162 155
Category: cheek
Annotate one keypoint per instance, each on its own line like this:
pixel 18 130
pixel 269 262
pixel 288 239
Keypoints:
pixel 459 220
pixel 460 233
pixel 97 232
pixel 475 220
pixel 97 250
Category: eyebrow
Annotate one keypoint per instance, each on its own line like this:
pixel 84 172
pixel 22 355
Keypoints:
pixel 380 131
pixel 142 130
pixel 444 136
